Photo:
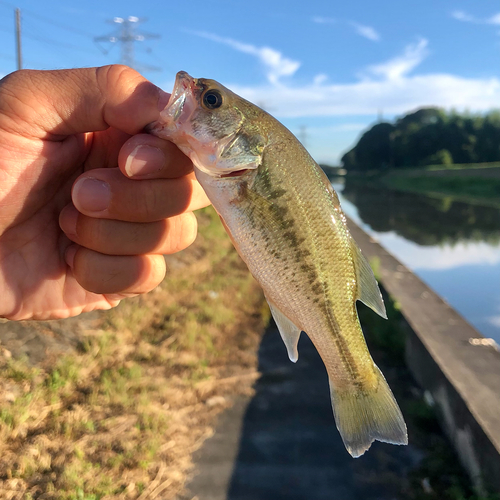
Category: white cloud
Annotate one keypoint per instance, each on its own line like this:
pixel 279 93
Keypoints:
pixel 418 257
pixel 441 258
pixel 399 66
pixel 494 320
pixel 368 97
pixel 463 16
pixel 324 20
pixel 387 87
pixel 277 65
pixel 319 79
pixel 366 31
pixel 494 19
pixel 361 29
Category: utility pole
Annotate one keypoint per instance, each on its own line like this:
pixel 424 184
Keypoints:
pixel 303 135
pixel 18 40
pixel 127 35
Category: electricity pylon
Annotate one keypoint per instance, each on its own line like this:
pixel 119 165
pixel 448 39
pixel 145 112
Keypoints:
pixel 127 35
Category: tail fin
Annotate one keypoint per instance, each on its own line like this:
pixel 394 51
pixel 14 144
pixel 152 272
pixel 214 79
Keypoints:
pixel 363 416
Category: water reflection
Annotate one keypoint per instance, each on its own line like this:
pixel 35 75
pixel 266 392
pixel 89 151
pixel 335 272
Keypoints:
pixel 453 246
pixel 421 219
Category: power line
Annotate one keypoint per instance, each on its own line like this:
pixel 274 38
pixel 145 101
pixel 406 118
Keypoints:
pixel 71 29
pixel 164 65
pixel 47 20
pixel 32 31
pixel 5 56
pixel 56 43
pixel 127 35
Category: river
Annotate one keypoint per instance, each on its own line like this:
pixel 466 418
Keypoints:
pixel 453 246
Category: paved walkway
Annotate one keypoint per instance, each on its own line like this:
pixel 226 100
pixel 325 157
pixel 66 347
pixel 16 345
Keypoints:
pixel 283 444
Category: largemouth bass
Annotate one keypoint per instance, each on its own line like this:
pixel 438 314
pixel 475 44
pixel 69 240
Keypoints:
pixel 286 223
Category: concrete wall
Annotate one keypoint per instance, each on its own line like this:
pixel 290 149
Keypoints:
pixel 463 378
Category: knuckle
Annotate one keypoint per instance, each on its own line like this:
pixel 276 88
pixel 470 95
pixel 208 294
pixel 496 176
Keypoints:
pixel 20 77
pixel 150 206
pixel 113 73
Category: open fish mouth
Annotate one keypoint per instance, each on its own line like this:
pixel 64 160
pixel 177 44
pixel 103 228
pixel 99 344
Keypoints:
pixel 182 87
pixel 180 107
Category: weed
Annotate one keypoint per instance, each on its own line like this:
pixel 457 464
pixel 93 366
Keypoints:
pixel 102 420
pixel 387 335
pixel 469 189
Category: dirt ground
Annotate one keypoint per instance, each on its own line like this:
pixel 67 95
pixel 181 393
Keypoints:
pixel 113 404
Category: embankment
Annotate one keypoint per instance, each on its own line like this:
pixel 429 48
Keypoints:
pixel 476 184
pixel 461 375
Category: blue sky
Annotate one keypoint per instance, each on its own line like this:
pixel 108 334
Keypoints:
pixel 329 67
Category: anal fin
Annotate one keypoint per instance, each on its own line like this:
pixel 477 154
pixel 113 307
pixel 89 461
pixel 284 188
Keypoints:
pixel 368 290
pixel 288 331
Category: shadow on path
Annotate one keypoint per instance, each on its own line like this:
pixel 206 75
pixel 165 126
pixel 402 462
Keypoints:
pixel 283 444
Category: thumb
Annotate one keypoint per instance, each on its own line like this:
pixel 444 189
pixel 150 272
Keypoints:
pixel 51 104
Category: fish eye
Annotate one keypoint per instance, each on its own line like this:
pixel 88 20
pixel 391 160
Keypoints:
pixel 212 99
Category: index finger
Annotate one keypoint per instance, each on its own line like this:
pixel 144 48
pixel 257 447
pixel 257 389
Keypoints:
pixel 80 100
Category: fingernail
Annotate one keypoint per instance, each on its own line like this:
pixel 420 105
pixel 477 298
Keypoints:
pixel 69 220
pixel 144 160
pixel 91 195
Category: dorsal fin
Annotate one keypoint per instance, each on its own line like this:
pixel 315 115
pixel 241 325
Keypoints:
pixel 368 290
pixel 288 331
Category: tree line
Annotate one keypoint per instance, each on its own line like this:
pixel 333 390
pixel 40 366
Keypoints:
pixel 422 219
pixel 428 136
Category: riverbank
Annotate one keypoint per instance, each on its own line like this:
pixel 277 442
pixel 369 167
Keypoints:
pixel 476 184
pixel 445 355
pixel 112 405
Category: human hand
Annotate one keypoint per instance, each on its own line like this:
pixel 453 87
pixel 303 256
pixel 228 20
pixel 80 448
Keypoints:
pixel 78 232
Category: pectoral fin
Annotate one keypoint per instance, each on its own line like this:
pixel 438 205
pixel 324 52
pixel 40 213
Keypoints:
pixel 368 290
pixel 240 152
pixel 288 331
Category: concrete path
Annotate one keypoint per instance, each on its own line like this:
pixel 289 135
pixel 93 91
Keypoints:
pixel 282 444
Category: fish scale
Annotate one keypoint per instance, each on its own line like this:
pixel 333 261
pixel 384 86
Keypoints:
pixel 316 297
pixel 285 221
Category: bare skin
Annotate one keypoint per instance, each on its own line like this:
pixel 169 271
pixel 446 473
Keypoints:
pixel 88 204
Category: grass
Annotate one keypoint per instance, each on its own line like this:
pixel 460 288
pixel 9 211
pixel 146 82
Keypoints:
pixel 475 190
pixel 463 166
pixel 477 184
pixel 119 416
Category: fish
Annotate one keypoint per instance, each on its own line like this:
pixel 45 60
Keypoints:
pixel 285 221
